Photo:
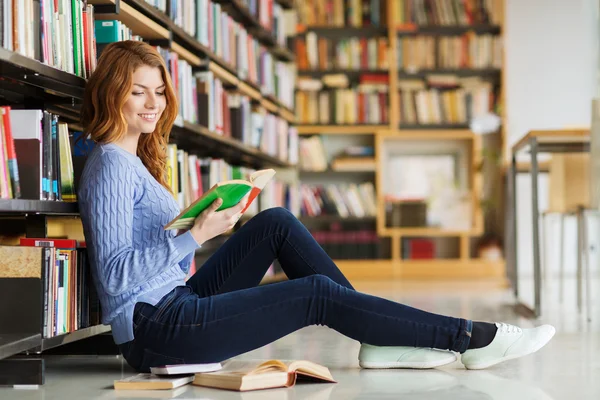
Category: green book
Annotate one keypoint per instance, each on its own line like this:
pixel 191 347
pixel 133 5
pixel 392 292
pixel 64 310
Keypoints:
pixel 107 31
pixel 231 192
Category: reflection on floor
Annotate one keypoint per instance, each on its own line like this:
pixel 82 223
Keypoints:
pixel 568 368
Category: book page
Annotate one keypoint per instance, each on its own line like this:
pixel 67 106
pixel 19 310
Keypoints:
pixel 309 368
pixel 252 367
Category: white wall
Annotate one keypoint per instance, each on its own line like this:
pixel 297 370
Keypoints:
pixel 550 79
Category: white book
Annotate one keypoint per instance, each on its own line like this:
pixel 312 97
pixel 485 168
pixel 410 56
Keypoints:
pixel 185 369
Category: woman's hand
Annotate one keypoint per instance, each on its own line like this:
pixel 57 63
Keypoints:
pixel 212 223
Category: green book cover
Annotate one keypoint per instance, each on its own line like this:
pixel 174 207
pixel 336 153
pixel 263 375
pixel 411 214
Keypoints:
pixel 231 192
pixel 106 31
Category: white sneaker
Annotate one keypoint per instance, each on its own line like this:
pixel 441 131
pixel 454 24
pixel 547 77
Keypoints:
pixel 403 357
pixel 509 343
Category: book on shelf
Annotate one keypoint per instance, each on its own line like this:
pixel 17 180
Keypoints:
pixel 409 14
pixel 39 145
pixel 62 35
pixel 180 369
pixel 69 299
pixel 467 51
pixel 345 200
pixel 340 13
pixel 244 375
pixel 446 101
pixel 367 103
pixel 148 381
pixel 230 192
pixel 316 53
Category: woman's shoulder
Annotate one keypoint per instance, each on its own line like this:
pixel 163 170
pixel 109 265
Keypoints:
pixel 106 162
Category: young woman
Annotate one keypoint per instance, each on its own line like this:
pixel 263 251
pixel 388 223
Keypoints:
pixel 139 268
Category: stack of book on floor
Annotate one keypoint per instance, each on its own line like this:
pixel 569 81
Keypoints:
pixel 239 375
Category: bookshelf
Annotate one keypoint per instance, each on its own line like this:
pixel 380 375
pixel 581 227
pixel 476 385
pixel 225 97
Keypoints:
pixel 31 84
pixel 399 27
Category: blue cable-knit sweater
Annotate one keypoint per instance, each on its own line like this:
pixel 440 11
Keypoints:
pixel 124 210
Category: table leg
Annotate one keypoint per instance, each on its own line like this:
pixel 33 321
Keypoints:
pixel 561 259
pixel 513 225
pixel 535 227
pixel 586 261
pixel 579 258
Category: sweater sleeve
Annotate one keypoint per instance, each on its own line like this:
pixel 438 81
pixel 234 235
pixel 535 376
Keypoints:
pixel 187 262
pixel 106 205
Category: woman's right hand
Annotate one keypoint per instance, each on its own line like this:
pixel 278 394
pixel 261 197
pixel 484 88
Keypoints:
pixel 211 223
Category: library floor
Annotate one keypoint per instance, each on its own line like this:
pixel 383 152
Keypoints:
pixel 568 367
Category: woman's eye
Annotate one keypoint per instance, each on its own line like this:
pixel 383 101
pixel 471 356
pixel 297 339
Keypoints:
pixel 160 93
pixel 137 93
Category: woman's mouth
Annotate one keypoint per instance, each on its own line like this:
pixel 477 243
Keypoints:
pixel 148 117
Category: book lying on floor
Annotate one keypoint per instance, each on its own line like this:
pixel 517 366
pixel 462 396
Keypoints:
pixel 153 382
pixel 245 375
pixel 231 192
pixel 185 369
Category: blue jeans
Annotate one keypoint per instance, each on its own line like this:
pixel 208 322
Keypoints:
pixel 221 312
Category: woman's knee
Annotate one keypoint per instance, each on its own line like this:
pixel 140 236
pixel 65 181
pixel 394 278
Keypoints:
pixel 277 214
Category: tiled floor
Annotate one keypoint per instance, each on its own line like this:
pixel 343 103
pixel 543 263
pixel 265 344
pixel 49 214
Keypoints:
pixel 568 368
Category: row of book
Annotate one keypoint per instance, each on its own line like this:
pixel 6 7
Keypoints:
pixel 344 200
pixel 273 17
pixel 408 13
pixel 59 33
pixel 69 298
pixel 465 51
pixel 231 41
pixel 364 104
pixel 338 13
pixel 350 243
pixel 35 156
pixel 189 176
pixel 67 34
pixel 232 114
pixel 352 158
pixel 422 105
pixel 320 53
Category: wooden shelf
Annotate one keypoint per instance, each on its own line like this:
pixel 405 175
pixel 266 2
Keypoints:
pixel 344 31
pixel 353 75
pixel 48 343
pixel 447 30
pixel 463 72
pixel 139 23
pixel 426 134
pixel 334 218
pixel 203 141
pixel 45 81
pixel 11 344
pixel 427 232
pixel 438 127
pixel 20 206
pixel 268 102
pixel 423 269
pixel 340 129
pixel 336 171
pixel 238 10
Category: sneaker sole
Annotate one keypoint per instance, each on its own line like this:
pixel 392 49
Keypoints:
pixel 407 365
pixel 538 346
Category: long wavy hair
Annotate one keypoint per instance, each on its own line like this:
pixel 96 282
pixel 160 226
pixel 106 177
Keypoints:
pixel 106 92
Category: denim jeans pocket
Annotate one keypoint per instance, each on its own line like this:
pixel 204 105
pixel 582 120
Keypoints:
pixel 163 305
pixel 153 359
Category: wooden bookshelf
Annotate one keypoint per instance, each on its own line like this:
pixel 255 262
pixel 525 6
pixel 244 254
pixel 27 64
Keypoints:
pixel 395 267
pixel 30 83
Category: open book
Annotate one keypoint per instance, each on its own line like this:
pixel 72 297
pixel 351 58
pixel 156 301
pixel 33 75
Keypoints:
pixel 245 375
pixel 230 191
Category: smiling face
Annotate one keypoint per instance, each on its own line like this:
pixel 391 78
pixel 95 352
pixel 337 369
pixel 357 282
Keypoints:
pixel 146 101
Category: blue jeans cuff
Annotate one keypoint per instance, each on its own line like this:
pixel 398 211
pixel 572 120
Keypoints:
pixel 464 337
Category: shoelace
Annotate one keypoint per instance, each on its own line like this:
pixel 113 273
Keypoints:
pixel 507 328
